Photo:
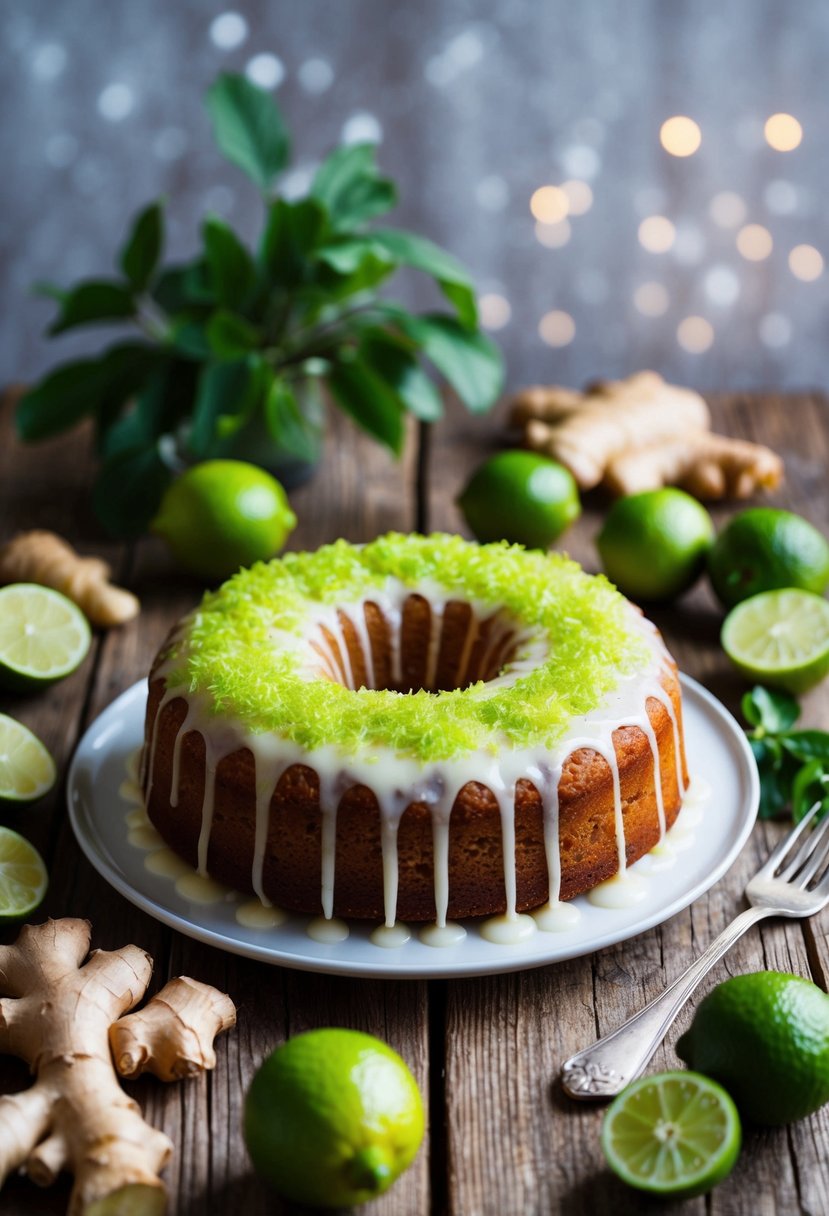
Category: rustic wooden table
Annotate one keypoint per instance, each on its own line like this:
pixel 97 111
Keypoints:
pixel 503 1140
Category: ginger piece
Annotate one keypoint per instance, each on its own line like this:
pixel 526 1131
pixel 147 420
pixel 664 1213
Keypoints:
pixel 707 465
pixel 548 402
pixel 45 558
pixel 172 1036
pixel 613 417
pixel 57 1014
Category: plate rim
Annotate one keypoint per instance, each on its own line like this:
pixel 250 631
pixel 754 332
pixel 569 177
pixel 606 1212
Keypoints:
pixel 747 817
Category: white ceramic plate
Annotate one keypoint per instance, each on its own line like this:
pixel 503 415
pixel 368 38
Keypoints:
pixel 716 747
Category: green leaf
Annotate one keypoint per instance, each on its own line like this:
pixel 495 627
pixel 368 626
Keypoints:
pixel 230 336
pixel 349 254
pixel 292 232
pixel 139 257
pixel 369 401
pixel 92 303
pixel 453 279
pixel 181 287
pixel 807 744
pixel 811 785
pixel 164 400
pixel 775 783
pixel 395 364
pixel 468 360
pixel 231 267
pixel 59 400
pixel 349 185
pixel 225 390
pixel 188 337
pixel 286 424
pixel 89 387
pixel 772 710
pixel 248 128
pixel 128 490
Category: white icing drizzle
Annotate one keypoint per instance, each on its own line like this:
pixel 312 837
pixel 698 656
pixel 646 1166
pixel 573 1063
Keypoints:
pixel 264 793
pixel 210 763
pixel 398 781
pixel 327 929
pixel 433 648
pixel 390 937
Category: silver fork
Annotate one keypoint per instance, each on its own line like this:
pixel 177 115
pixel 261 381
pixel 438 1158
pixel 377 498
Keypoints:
pixel 789 884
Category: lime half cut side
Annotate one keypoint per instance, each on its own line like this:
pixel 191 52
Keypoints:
pixel 43 636
pixel 23 877
pixel 27 771
pixel 780 638
pixel 675 1133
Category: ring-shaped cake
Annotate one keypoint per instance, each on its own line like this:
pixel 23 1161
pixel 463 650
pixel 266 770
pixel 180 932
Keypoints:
pixel 416 728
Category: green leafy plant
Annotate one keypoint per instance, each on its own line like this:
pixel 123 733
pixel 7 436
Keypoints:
pixel 793 764
pixel 234 336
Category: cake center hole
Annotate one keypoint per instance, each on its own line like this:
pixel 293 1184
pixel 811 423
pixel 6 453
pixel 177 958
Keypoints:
pixel 418 645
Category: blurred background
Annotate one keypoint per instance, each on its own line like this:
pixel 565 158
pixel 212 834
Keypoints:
pixel 529 138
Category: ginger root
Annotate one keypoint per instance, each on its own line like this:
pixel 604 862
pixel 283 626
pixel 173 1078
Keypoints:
pixel 60 1015
pixel 708 466
pixel 641 434
pixel 44 557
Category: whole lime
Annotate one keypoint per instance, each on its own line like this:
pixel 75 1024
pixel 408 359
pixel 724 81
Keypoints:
pixel 224 514
pixel 763 549
pixel 520 497
pixel 332 1118
pixel 765 1037
pixel 653 544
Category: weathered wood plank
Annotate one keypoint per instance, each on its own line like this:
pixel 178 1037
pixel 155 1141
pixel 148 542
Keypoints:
pixel 515 1144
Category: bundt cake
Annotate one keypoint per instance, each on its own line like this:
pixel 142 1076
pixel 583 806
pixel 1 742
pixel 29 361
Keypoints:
pixel 414 729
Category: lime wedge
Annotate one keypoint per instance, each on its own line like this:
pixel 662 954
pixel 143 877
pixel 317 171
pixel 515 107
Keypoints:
pixel 675 1133
pixel 43 636
pixel 27 771
pixel 23 877
pixel 780 638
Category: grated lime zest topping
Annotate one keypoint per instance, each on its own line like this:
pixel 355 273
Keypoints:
pixel 228 650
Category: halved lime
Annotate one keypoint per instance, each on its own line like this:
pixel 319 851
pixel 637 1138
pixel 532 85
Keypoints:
pixel 27 771
pixel 43 636
pixel 23 877
pixel 780 638
pixel 675 1133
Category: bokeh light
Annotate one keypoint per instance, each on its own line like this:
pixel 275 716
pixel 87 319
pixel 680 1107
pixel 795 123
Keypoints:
pixel 579 196
pixel 651 299
pixel 754 242
pixel 775 330
pixel 557 328
pixel 549 204
pixel 495 310
pixel 695 335
pixel 806 263
pixel 553 236
pixel 783 132
pixel 727 209
pixel 722 286
pixel 656 234
pixel 680 135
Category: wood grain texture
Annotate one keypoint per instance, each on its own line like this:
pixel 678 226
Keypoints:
pixel 515 1143
pixel 486 1052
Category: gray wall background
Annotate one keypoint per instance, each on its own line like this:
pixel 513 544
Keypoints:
pixel 475 103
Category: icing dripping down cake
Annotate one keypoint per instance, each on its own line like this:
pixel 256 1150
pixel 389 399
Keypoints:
pixel 416 729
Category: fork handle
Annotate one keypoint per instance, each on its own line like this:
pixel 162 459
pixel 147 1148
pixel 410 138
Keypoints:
pixel 603 1070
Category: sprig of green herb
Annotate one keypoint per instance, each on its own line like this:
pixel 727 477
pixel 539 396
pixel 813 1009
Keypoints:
pixel 232 335
pixel 793 764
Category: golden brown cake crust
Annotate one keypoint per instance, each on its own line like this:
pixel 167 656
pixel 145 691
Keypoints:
pixel 291 876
